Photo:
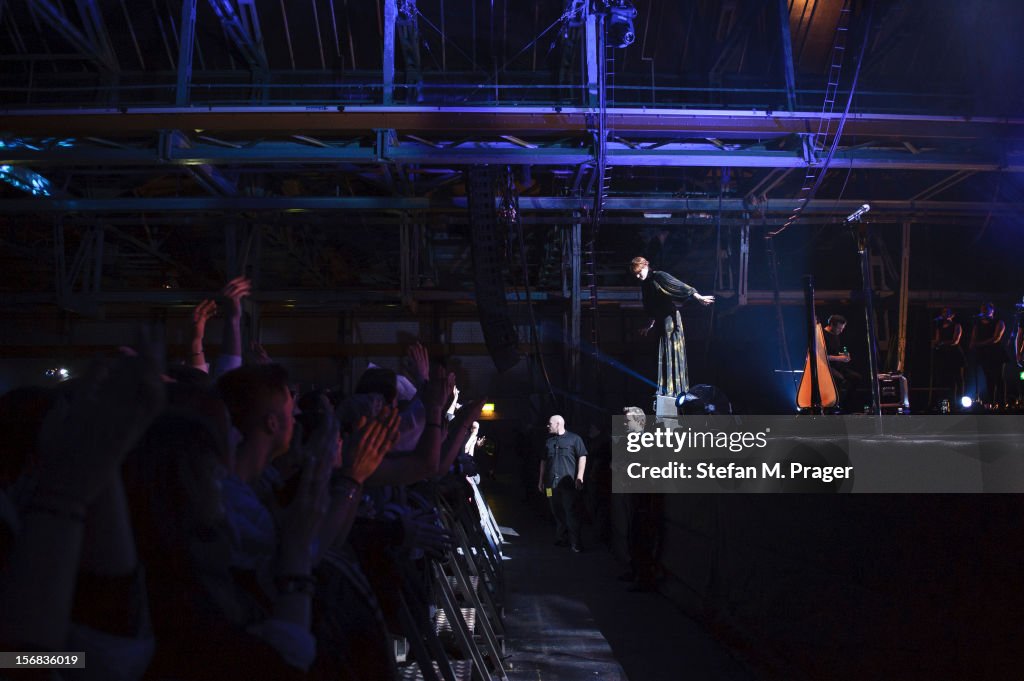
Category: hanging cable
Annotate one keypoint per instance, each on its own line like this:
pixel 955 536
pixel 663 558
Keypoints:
pixel 722 181
pixel 810 192
pixel 509 212
pixel 568 14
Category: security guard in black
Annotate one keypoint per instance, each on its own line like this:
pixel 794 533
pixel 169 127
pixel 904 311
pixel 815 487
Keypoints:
pixel 561 471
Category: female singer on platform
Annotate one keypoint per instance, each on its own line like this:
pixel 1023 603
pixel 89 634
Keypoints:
pixel 661 291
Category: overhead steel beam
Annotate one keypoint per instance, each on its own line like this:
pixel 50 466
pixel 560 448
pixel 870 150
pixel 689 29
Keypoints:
pixel 519 121
pixel 390 16
pixel 243 29
pixel 527 203
pixel 186 43
pixel 325 298
pixel 96 30
pixel 786 39
pixel 208 176
pixel 943 184
pixel 592 54
pixel 96 45
pixel 738 34
pixel 408 32
pixel 505 153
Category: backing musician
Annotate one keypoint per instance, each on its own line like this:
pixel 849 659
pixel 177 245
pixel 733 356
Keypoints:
pixel 948 360
pixel 986 352
pixel 846 379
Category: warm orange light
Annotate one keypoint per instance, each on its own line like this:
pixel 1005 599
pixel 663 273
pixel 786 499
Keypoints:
pixel 488 409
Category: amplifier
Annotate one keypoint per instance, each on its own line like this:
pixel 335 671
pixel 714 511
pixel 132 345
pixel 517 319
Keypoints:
pixel 892 391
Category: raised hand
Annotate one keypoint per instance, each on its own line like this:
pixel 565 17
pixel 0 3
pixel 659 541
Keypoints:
pixel 372 440
pixel 420 361
pixel 453 405
pixel 202 312
pixel 259 353
pixel 458 431
pixel 438 390
pixel 232 294
pixel 231 301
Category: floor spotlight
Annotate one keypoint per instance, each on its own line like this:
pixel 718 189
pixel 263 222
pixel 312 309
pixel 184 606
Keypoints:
pixel 704 399
pixel 966 402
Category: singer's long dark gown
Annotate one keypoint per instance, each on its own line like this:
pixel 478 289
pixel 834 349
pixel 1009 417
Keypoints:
pixel 661 291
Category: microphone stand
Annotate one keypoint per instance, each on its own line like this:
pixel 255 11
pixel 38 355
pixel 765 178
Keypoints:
pixel 869 313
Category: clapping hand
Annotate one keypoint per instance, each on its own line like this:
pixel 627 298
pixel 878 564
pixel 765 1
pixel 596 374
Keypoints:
pixel 438 390
pixel 258 354
pixel 202 312
pixel 420 361
pixel 232 294
pixel 373 439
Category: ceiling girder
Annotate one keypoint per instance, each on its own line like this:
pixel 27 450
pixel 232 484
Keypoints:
pixel 527 203
pixel 206 175
pixel 506 153
pixel 241 24
pixel 95 43
pixel 333 298
pixel 519 121
pixel 186 47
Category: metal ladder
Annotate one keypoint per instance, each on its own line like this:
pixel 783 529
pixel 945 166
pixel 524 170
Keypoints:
pixel 815 144
pixel 602 189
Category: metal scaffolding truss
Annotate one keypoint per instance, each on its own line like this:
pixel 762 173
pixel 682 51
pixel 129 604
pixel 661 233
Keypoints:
pixel 206 144
pixel 279 116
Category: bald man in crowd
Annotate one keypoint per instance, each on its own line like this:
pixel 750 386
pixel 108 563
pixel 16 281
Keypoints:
pixel 561 474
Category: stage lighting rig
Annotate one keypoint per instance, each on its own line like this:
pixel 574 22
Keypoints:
pixel 621 14
pixel 407 9
pixel 704 399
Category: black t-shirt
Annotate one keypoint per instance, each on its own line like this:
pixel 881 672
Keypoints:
pixel 985 329
pixel 833 343
pixel 563 454
pixel 946 329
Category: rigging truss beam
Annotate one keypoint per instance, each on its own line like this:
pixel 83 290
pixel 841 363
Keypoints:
pixel 241 24
pixel 445 153
pixel 527 203
pixel 95 42
pixel 519 121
